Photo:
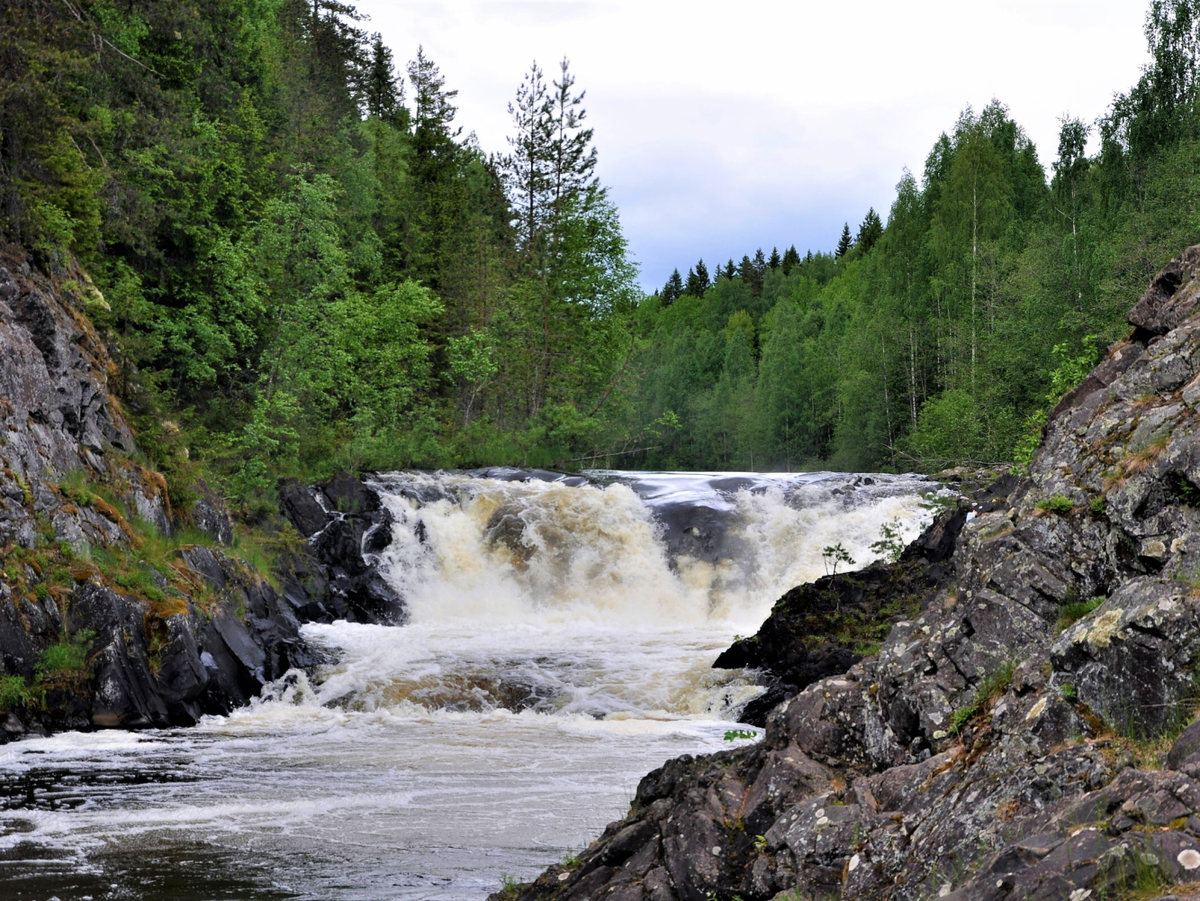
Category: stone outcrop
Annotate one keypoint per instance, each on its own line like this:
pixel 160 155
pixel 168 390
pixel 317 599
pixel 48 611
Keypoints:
pixel 1020 732
pixel 93 634
pixel 345 528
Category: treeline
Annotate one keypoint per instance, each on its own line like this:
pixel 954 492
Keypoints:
pixel 304 263
pixel 943 337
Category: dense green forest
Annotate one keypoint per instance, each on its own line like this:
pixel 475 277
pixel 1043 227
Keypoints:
pixel 943 337
pixel 304 264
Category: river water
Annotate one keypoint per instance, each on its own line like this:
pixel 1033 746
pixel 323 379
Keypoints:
pixel 559 648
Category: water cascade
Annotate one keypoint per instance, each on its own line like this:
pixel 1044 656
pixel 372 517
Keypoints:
pixel 559 643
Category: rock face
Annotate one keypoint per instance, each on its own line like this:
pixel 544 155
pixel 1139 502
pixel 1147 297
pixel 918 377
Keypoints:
pixel 108 642
pixel 1018 733
pixel 345 527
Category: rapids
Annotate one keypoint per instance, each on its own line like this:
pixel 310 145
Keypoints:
pixel 559 646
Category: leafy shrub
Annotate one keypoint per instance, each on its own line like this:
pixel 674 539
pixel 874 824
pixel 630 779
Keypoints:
pixel 1056 503
pixel 14 693
pixel 66 658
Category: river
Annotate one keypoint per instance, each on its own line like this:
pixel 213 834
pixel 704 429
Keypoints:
pixel 559 648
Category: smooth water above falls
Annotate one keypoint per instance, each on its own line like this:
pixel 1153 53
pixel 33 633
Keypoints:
pixel 559 647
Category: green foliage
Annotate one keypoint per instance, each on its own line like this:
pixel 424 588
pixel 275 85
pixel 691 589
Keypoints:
pixel 1073 611
pixel 740 734
pixel 303 275
pixel 509 886
pixel 833 555
pixel 1056 503
pixel 989 689
pixel 67 658
pixel 15 693
pixel 890 544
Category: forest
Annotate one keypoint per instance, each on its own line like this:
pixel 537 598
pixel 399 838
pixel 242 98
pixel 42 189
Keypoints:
pixel 304 265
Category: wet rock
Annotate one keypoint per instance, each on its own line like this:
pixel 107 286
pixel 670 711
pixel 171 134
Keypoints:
pixel 337 578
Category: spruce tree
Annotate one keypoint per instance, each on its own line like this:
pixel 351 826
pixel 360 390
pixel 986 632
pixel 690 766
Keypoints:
pixel 869 232
pixel 844 243
pixel 730 270
pixel 384 93
pixel 774 261
pixel 702 276
pixel 673 289
pixel 791 259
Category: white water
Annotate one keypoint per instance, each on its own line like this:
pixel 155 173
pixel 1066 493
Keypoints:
pixel 558 650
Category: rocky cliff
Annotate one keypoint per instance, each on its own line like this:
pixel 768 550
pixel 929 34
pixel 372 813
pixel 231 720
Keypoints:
pixel 1025 734
pixel 115 609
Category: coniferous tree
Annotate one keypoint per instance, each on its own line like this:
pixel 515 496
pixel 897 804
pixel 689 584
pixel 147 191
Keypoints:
pixel 384 93
pixel 791 259
pixel 572 158
pixel 702 276
pixel 437 191
pixel 730 270
pixel 697 281
pixel 844 242
pixel 528 175
pixel 869 232
pixel 673 289
pixel 745 271
pixel 774 261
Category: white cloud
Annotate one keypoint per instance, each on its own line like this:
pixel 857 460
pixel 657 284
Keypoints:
pixel 724 127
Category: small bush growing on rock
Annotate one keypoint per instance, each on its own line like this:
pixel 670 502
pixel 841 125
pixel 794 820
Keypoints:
pixel 833 555
pixel 890 544
pixel 735 734
pixel 67 658
pixel 1098 504
pixel 1056 503
pixel 14 693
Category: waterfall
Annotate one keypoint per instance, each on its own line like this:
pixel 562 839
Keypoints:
pixel 560 647
pixel 606 595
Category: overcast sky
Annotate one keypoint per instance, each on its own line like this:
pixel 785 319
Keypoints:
pixel 723 127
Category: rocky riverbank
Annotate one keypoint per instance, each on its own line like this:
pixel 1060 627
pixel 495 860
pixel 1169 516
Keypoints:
pixel 117 610
pixel 1025 734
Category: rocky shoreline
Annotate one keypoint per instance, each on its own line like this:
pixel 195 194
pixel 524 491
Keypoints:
pixel 1022 733
pixel 117 611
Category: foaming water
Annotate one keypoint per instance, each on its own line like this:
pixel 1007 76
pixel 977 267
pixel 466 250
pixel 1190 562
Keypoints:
pixel 560 647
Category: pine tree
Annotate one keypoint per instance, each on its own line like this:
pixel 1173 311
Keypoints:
pixel 572 159
pixel 528 178
pixel 844 243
